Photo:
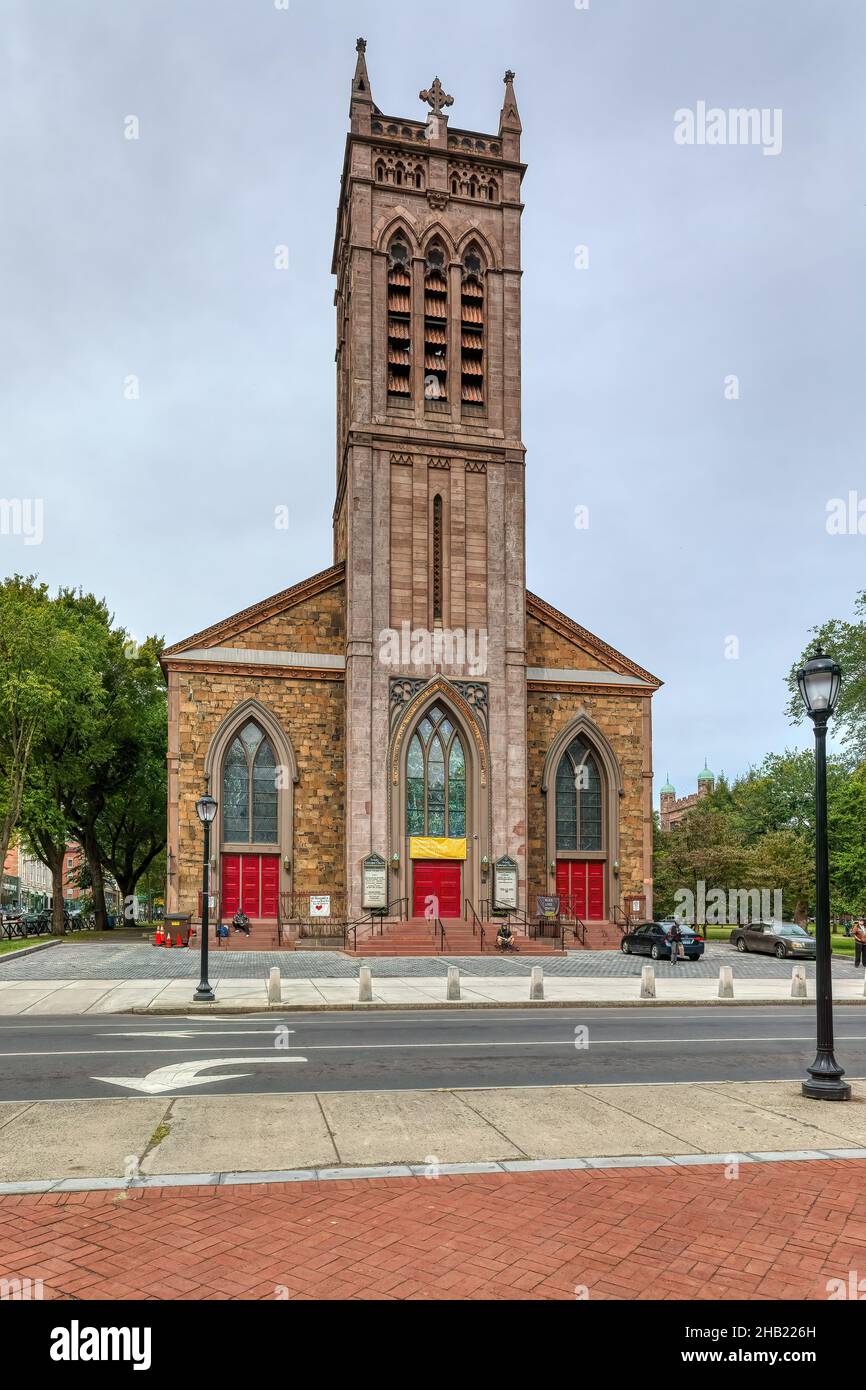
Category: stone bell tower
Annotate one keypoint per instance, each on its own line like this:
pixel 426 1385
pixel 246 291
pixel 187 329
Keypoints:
pixel 429 513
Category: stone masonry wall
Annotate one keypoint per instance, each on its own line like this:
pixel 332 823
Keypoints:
pixel 312 713
pixel 619 717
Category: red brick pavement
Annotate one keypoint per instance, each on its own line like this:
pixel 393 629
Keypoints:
pixel 780 1230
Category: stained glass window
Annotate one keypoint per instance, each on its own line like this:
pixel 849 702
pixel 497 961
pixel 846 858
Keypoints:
pixel 236 795
pixel 436 789
pixel 457 791
pixel 265 796
pixel 590 806
pixel 436 779
pixel 566 806
pixel 579 799
pixel 415 788
pixel 250 793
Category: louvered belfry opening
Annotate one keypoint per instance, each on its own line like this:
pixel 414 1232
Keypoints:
pixel 399 324
pixel 436 326
pixel 472 330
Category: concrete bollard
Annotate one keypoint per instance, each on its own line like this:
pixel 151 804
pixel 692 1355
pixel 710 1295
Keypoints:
pixel 798 982
pixel 365 985
pixel 726 982
pixel 536 986
pixel 275 987
pixel 648 982
pixel 453 983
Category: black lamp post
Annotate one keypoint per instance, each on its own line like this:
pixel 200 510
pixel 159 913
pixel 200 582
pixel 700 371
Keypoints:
pixel 819 682
pixel 207 809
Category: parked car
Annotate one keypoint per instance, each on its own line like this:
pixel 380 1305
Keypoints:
pixel 654 939
pixel 783 939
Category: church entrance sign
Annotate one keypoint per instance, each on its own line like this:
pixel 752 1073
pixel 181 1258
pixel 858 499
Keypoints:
pixel 375 884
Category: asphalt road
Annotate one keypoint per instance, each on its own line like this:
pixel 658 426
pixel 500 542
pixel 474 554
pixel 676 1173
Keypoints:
pixel 86 1058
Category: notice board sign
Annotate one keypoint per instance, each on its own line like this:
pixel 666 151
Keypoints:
pixel 374 872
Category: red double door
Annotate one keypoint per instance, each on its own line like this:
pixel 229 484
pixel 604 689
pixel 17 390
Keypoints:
pixel 251 884
pixel 436 883
pixel 581 881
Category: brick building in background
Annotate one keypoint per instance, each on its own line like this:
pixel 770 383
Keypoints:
pixel 414 701
pixel 672 811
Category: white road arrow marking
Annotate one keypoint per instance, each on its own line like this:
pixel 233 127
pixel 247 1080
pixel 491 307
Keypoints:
pixel 183 1075
pixel 196 1033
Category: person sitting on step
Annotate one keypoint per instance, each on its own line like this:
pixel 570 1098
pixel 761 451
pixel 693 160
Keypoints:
pixel 505 938
pixel 241 923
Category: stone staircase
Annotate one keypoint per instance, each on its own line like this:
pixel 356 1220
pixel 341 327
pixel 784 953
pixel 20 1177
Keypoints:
pixel 417 938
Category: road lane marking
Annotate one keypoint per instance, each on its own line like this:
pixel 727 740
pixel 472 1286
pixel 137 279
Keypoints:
pixel 436 1046
pixel 185 1075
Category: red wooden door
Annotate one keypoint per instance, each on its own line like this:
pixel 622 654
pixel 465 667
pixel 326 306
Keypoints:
pixel 439 880
pixel 270 886
pixel 594 891
pixel 580 884
pixel 251 884
pixel 231 884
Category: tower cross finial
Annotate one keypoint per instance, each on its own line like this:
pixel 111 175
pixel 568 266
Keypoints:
pixel 436 97
pixel 361 46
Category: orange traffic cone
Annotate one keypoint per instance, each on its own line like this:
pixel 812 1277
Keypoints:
pixel 160 936
pixel 168 938
pixel 179 942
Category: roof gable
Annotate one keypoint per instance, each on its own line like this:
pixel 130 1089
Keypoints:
pixel 221 633
pixel 607 657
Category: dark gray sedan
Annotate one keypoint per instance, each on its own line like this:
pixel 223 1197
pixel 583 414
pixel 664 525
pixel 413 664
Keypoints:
pixel 783 939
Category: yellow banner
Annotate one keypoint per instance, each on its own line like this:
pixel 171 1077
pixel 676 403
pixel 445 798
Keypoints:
pixel 421 847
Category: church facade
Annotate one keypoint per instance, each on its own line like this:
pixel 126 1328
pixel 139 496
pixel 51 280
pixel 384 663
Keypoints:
pixel 413 705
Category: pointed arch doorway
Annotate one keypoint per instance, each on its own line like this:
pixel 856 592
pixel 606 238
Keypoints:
pixel 439 816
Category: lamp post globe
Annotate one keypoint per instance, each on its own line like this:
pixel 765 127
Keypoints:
pixel 819 682
pixel 206 809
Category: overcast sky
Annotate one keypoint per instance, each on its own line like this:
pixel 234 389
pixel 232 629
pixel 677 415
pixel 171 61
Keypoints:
pixel 154 258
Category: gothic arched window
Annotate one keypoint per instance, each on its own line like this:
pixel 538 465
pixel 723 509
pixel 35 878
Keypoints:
pixel 578 799
pixel 436 779
pixel 249 789
pixel 399 322
pixel 472 327
pixel 436 325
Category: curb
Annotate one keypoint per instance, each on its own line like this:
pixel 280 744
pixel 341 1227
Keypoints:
pixel 183 1010
pixel 421 1170
pixel 28 951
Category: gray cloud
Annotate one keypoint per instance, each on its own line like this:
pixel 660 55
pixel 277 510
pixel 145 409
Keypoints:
pixel 154 258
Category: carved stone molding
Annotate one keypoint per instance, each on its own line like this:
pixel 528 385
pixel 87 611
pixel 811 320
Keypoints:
pixel 402 460
pixel 476 695
pixel 444 464
pixel 476 466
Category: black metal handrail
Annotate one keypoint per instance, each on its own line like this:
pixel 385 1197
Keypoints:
pixel 477 928
pixel 403 904
pixel 622 920
pixel 439 931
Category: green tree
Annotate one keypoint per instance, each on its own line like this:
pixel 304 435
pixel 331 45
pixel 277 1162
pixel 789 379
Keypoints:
pixel 784 861
pixel 131 827
pixel 43 675
pixel 846 642
pixel 103 754
pixel 846 832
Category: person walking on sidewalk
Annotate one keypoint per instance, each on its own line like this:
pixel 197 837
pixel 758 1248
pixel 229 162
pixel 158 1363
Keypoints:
pixel 860 943
pixel 676 943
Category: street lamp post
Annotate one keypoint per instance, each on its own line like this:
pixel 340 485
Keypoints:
pixel 207 809
pixel 819 682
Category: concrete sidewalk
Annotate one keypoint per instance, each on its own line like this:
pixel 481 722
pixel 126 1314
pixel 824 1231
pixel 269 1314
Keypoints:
pixel 175 996
pixel 218 1138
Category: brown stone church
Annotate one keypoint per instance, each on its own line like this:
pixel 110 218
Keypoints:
pixel 414 706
